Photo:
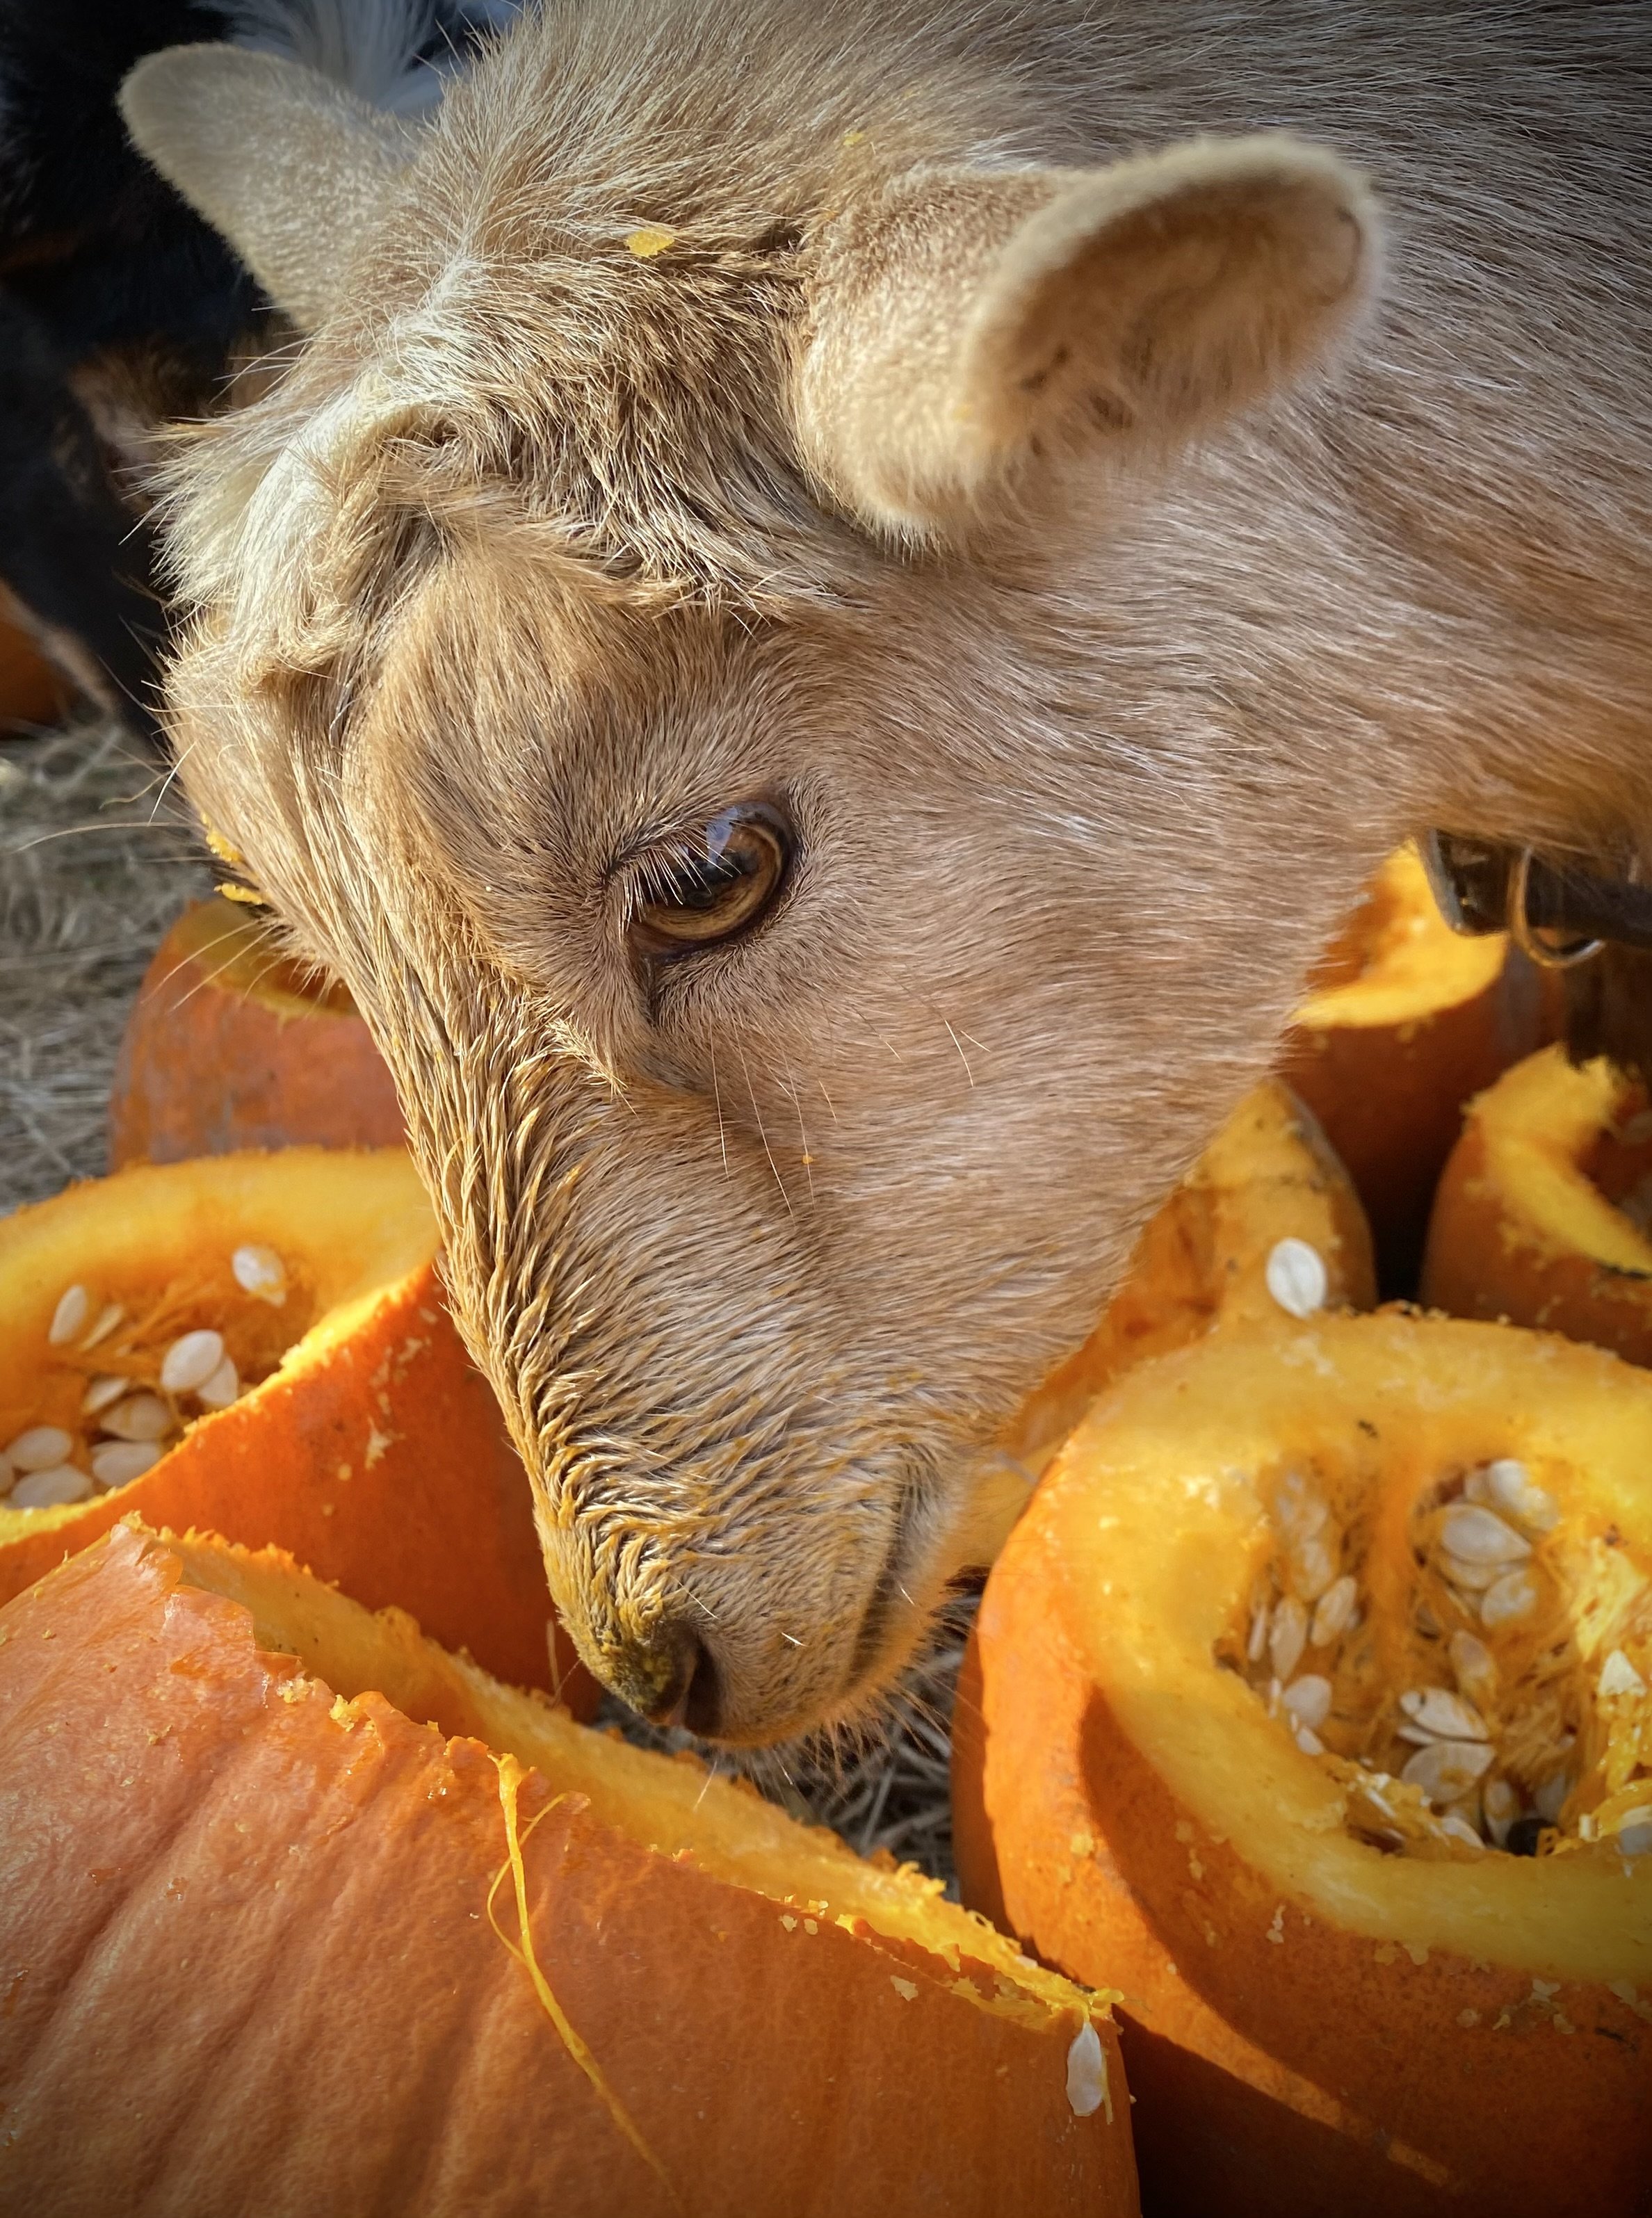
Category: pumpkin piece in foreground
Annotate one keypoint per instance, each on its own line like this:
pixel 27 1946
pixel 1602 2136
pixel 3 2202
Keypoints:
pixel 1545 1211
pixel 1268 1177
pixel 419 1980
pixel 356 1429
pixel 1335 1997
pixel 229 1045
pixel 1406 1020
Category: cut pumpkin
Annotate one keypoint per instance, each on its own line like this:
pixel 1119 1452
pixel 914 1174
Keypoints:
pixel 1304 1620
pixel 31 692
pixel 313 1954
pixel 1405 1021
pixel 1268 1178
pixel 356 1428
pixel 230 1046
pixel 1545 1211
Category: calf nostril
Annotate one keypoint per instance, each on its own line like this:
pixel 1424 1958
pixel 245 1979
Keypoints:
pixel 670 1679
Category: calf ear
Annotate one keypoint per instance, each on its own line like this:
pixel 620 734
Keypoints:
pixel 965 323
pixel 287 165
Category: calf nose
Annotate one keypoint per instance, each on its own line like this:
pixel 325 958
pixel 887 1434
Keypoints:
pixel 667 1676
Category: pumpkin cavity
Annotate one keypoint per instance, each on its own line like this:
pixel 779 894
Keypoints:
pixel 129 1359
pixel 1471 1665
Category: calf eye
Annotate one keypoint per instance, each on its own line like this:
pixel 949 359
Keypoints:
pixel 714 885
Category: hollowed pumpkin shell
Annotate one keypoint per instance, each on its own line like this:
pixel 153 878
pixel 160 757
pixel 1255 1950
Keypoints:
pixel 365 1439
pixel 309 1953
pixel 229 1046
pixel 1311 2022
pixel 1544 1212
pixel 1406 1019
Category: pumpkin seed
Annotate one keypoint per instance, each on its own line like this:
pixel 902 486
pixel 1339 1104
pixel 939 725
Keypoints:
pixel 1502 1806
pixel 1471 1578
pixel 1475 1534
pixel 1312 1569
pixel 260 1271
pixel 1460 1830
pixel 117 1463
pixel 102 1391
pixel 1299 1511
pixel 1297 1277
pixel 1334 1613
pixel 1445 1769
pixel 40 1448
pixel 1474 1668
pixel 112 1314
pixel 50 1488
pixel 1308 1700
pixel 190 1361
pixel 69 1318
pixel 1259 1634
pixel 1509 1486
pixel 1443 1715
pixel 1287 1638
pixel 1309 1741
pixel 221 1389
pixel 140 1417
pixel 1508 1599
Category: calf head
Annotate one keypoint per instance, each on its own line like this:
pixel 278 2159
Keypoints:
pixel 650 646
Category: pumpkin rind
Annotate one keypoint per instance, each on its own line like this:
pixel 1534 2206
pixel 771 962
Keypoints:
pixel 1409 1021
pixel 266 1977
pixel 1520 1228
pixel 1307 2030
pixel 228 1048
pixel 375 1451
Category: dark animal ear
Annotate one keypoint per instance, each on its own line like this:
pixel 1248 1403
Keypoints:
pixel 288 166
pixel 964 321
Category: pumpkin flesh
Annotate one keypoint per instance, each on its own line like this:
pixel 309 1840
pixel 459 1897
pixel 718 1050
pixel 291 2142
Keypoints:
pixel 1405 1020
pixel 1542 1213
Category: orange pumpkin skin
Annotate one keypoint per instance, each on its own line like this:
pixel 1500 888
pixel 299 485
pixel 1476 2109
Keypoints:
pixel 264 1978
pixel 1387 1068
pixel 227 1049
pixel 1555 1254
pixel 1282 2066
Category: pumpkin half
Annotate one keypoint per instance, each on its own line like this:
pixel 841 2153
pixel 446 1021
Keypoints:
pixel 1305 1621
pixel 312 1954
pixel 1406 1020
pixel 1268 1178
pixel 230 1046
pixel 355 1428
pixel 1544 1212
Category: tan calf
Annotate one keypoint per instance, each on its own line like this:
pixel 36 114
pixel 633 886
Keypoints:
pixel 835 606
